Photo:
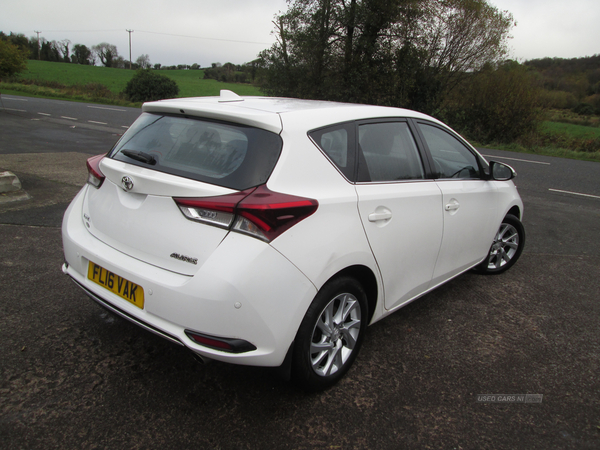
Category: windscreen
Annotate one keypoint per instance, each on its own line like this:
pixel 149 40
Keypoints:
pixel 225 154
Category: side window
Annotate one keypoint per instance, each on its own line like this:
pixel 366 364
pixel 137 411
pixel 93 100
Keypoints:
pixel 387 152
pixel 336 143
pixel 451 157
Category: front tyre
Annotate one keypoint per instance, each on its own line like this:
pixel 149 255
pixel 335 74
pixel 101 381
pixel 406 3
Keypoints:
pixel 330 335
pixel 507 247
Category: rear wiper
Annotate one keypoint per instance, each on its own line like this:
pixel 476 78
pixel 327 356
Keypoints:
pixel 139 156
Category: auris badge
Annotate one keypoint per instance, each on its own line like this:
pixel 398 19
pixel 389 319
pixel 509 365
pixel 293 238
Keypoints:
pixel 127 183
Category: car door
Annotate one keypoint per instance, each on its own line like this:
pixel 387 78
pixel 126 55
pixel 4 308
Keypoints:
pixel 469 211
pixel 400 209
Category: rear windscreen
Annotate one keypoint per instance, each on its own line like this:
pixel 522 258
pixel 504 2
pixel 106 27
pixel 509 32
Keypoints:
pixel 225 154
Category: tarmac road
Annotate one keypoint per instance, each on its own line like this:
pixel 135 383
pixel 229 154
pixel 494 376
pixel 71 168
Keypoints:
pixel 75 376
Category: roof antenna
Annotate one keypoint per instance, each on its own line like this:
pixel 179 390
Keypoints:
pixel 229 96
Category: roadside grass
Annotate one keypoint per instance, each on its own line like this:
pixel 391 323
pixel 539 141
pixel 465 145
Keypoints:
pixel 548 150
pixel 563 140
pixel 69 82
pixel 569 117
pixel 89 93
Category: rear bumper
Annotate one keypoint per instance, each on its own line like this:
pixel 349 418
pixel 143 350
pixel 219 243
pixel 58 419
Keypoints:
pixel 122 313
pixel 245 290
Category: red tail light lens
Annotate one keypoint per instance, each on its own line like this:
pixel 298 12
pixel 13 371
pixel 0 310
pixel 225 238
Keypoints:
pixel 258 212
pixel 95 175
pixel 267 214
pixel 218 211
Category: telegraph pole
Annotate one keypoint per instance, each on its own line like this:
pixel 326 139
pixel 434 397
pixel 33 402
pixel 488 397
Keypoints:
pixel 129 31
pixel 38 33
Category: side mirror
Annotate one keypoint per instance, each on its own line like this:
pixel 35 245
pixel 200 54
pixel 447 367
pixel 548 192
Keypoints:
pixel 501 172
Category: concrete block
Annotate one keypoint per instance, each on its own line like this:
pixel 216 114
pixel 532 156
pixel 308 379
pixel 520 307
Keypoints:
pixel 9 182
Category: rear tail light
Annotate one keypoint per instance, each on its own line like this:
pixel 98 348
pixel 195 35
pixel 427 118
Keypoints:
pixel 258 212
pixel 95 175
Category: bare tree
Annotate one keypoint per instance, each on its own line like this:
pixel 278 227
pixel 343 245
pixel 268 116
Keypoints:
pixel 389 52
pixel 143 62
pixel 463 35
pixel 106 53
pixel 63 47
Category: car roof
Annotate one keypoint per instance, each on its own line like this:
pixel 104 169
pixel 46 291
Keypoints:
pixel 271 112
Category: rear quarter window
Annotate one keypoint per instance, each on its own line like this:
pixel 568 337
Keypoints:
pixel 225 154
pixel 337 142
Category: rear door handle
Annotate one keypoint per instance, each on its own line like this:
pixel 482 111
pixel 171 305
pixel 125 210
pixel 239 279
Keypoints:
pixel 380 215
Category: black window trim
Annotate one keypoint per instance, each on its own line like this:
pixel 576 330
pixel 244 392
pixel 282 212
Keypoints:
pixel 483 166
pixel 422 151
pixel 351 143
pixel 422 155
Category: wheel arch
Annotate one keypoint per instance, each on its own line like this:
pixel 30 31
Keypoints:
pixel 515 211
pixel 367 279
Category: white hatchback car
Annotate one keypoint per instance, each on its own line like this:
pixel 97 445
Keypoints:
pixel 271 231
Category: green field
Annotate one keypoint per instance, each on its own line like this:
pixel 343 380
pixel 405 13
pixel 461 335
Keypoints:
pixel 575 131
pixel 190 82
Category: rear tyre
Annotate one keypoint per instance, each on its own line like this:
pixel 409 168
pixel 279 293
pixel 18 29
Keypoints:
pixel 507 247
pixel 330 335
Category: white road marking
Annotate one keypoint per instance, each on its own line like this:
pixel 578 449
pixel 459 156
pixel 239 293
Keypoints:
pixel 99 123
pixel 124 126
pixel 515 159
pixel 11 109
pixel 574 193
pixel 15 99
pixel 43 114
pixel 108 109
pixel 70 118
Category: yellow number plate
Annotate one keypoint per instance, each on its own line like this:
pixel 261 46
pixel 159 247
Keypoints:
pixel 123 288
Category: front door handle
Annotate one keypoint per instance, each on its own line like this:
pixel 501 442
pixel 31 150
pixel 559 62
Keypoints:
pixel 452 205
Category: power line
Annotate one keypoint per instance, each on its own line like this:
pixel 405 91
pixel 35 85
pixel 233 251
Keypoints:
pixel 163 34
pixel 205 38
pixel 81 31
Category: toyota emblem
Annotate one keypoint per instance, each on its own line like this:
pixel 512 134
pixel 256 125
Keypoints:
pixel 127 183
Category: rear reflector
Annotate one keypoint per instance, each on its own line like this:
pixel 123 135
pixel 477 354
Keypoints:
pixel 218 343
pixel 95 175
pixel 258 212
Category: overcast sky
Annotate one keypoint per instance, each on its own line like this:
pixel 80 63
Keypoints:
pixel 205 31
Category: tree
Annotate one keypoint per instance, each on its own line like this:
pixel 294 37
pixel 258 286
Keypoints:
pixel 143 62
pixel 82 55
pixel 106 53
pixel 147 85
pixel 390 52
pixel 63 47
pixel 119 62
pixel 34 48
pixel 498 103
pixel 12 58
pixel 18 40
pixel 49 51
